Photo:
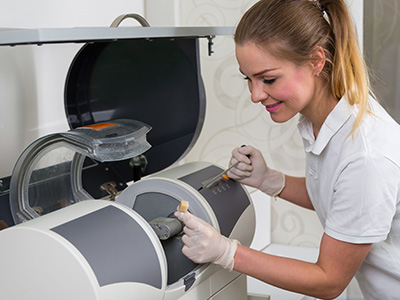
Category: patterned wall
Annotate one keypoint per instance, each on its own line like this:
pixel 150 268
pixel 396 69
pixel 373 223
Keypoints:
pixel 232 119
pixel 382 48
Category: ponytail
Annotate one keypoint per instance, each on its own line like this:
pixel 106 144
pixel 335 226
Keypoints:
pixel 349 76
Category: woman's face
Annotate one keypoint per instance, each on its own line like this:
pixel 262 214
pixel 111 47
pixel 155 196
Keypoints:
pixel 283 87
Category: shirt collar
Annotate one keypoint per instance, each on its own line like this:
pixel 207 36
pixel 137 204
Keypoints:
pixel 335 120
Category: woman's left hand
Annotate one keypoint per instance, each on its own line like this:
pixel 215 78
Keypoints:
pixel 203 243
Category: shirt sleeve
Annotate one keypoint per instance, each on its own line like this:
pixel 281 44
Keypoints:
pixel 364 200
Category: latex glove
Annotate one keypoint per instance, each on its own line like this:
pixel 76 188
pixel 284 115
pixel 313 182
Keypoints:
pixel 253 171
pixel 203 243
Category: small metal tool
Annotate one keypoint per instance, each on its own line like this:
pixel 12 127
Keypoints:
pixel 222 175
pixel 215 179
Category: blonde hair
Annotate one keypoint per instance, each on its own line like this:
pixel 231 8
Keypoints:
pixel 292 29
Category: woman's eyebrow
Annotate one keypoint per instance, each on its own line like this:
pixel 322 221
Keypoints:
pixel 261 72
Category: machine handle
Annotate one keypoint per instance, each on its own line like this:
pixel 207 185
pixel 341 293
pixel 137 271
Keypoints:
pixel 137 17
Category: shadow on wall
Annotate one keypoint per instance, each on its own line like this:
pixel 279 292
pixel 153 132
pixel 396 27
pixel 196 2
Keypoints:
pixel 18 98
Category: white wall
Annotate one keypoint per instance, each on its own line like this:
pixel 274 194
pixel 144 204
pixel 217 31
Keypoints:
pixel 32 78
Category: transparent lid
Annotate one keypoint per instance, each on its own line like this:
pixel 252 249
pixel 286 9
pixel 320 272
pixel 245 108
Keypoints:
pixel 111 141
pixel 48 174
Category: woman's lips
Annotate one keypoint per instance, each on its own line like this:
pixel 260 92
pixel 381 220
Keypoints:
pixel 273 107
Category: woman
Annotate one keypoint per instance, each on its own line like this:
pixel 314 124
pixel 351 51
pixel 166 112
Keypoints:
pixel 302 57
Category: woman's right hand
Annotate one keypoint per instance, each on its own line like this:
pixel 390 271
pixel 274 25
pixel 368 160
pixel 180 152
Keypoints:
pixel 253 171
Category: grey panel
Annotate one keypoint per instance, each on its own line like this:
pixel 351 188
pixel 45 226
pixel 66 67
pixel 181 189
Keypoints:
pixel 227 198
pixel 162 192
pixel 152 205
pixel 115 245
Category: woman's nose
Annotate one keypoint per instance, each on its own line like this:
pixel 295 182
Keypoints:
pixel 258 94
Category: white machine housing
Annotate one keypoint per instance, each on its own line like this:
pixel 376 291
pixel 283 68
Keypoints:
pixel 103 250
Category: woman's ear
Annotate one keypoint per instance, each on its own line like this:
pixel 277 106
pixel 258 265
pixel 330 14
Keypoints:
pixel 318 60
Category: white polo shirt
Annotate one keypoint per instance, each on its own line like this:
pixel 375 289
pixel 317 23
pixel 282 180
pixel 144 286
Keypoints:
pixel 354 185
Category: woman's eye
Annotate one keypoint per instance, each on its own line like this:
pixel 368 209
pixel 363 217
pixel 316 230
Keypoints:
pixel 265 81
pixel 269 81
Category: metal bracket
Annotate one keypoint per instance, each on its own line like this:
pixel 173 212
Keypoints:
pixel 210 39
pixel 110 188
